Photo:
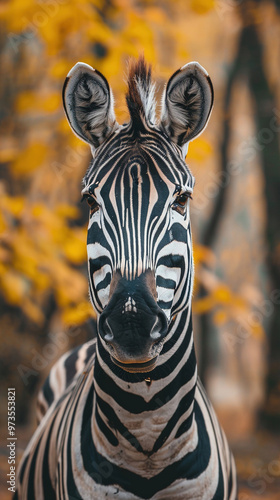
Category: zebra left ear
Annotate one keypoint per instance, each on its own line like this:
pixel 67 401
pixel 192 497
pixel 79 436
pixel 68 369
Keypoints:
pixel 89 104
pixel 187 103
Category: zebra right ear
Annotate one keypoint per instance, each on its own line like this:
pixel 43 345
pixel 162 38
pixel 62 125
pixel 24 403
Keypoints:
pixel 187 103
pixel 89 104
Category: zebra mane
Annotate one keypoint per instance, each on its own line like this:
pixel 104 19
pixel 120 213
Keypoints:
pixel 140 97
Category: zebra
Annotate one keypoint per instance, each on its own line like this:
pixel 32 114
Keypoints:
pixel 125 416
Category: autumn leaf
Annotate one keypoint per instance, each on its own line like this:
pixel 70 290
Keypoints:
pixel 78 314
pixel 202 6
pixel 30 159
pixel 199 150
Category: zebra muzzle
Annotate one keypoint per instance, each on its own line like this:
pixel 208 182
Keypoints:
pixel 132 326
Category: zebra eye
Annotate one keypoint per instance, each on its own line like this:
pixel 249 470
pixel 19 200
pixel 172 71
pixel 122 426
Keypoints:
pixel 180 202
pixel 92 203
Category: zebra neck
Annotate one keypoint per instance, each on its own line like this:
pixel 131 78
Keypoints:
pixel 144 413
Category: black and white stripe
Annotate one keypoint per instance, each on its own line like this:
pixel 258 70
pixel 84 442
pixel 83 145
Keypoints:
pixel 125 416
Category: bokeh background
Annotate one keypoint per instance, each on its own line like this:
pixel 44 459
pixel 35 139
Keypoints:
pixel 44 304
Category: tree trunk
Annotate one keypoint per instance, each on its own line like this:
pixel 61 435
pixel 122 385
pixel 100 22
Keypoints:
pixel 249 64
pixel 267 124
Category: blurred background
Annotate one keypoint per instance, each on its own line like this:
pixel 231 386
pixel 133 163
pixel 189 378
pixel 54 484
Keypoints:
pixel 44 303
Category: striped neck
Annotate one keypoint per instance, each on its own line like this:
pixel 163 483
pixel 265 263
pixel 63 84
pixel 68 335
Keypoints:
pixel 142 414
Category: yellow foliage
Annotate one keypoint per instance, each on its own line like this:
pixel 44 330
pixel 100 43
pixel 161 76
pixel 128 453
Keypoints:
pixel 203 305
pixel 27 101
pixel 59 68
pixel 38 264
pixel 75 247
pixel 13 287
pixel 220 317
pixel 199 150
pixel 99 32
pixel 8 154
pixel 30 159
pixel 203 254
pixel 3 225
pixel 52 102
pixel 222 295
pixel 12 205
pixel 66 211
pixel 32 311
pixel 78 314
pixel 202 6
pixel 156 15
pixel 258 331
pixel 37 210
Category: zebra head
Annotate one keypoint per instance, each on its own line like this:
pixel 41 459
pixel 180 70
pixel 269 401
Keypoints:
pixel 138 188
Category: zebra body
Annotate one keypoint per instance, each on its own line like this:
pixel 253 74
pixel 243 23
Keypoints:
pixel 125 416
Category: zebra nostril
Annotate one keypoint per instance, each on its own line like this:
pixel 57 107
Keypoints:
pixel 159 329
pixel 105 330
pixel 155 334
